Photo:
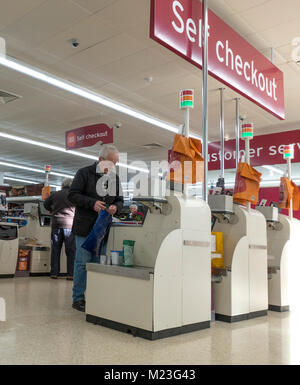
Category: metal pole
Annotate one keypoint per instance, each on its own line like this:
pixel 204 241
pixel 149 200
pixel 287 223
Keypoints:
pixel 237 131
pixel 272 55
pixel 290 178
pixel 205 97
pixel 186 131
pixel 247 150
pixel 222 132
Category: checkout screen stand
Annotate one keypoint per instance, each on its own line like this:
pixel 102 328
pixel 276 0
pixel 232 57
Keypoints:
pixel 168 290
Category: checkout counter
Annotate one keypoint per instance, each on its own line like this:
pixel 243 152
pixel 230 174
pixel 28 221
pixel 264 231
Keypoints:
pixel 168 290
pixel 9 244
pixel 39 227
pixel 242 291
pixel 283 259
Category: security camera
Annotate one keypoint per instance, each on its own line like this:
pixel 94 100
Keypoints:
pixel 243 117
pixel 118 125
pixel 75 43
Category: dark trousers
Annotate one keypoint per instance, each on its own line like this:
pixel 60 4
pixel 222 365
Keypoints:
pixel 58 237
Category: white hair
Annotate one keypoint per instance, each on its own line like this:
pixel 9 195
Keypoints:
pixel 67 182
pixel 107 149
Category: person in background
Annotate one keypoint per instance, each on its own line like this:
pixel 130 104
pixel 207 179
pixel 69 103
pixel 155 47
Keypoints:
pixel 63 212
pixel 83 194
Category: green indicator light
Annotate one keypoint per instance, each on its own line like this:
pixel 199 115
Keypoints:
pixel 247 135
pixel 187 104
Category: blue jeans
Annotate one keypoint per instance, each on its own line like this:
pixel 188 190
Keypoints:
pixel 58 237
pixel 81 259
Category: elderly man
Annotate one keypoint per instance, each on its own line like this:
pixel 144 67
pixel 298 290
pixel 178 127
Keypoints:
pixel 62 211
pixel 89 199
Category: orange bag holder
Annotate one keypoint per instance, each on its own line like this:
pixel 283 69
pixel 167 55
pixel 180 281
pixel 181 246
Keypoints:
pixel 289 191
pixel 246 184
pixel 187 150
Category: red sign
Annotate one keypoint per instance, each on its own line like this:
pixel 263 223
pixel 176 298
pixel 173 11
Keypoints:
pixel 88 136
pixel 265 150
pixel 177 25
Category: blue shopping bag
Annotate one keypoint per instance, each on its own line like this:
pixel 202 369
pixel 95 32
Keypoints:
pixel 97 235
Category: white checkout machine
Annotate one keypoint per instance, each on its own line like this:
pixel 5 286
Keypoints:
pixel 168 290
pixel 9 245
pixel 242 291
pixel 39 228
pixel 283 259
pixel 9 242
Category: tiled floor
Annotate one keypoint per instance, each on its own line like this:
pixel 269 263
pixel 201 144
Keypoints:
pixel 42 328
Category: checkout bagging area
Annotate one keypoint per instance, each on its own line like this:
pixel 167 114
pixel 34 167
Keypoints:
pixel 167 291
pixel 25 238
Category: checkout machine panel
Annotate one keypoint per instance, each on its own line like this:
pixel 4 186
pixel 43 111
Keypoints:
pixel 129 225
pixel 138 223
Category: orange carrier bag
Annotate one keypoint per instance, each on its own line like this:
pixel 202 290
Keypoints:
pixel 285 193
pixel 288 191
pixel 186 152
pixel 246 185
pixel 46 191
pixel 296 197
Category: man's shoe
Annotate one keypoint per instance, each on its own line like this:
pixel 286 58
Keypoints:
pixel 53 276
pixel 80 306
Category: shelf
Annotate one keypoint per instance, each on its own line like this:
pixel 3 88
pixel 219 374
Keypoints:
pixel 136 272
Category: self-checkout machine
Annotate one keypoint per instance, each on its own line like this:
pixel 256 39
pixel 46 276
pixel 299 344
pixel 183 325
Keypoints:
pixel 167 291
pixel 242 291
pixel 283 252
pixel 9 240
pixel 36 235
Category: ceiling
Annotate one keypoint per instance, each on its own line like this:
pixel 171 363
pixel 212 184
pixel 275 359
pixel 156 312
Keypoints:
pixel 114 57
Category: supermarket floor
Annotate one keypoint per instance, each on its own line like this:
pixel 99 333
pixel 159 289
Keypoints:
pixel 42 328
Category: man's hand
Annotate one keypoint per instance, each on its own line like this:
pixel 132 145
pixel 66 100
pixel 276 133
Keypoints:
pixel 99 205
pixel 112 210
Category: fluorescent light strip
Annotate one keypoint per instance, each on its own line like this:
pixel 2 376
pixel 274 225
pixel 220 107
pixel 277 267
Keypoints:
pixel 61 149
pixel 34 169
pixel 83 92
pixel 44 145
pixel 26 181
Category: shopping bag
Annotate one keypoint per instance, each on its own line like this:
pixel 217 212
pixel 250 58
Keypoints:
pixel 186 161
pixel 296 197
pixel 246 184
pixel 289 191
pixel 46 191
pixel 97 235
pixel 285 193
pixel 217 251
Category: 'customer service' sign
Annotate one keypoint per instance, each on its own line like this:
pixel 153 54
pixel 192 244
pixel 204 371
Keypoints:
pixel 265 150
pixel 177 24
